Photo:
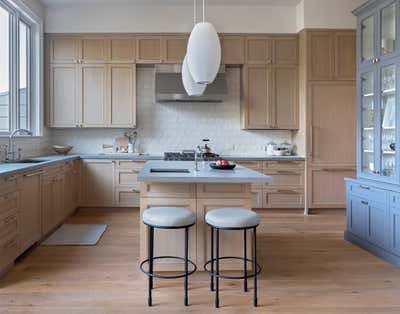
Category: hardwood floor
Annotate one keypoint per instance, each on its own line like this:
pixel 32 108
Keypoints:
pixel 307 268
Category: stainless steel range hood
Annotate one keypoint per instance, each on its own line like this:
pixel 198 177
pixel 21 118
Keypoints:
pixel 169 86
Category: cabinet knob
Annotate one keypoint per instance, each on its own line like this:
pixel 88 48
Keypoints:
pixel 364 202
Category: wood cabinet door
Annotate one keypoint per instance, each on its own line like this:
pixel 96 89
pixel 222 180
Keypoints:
pixel 48 212
pixel 58 198
pixel 97 182
pixel 64 49
pixel 174 49
pixel 345 55
pixel 121 86
pixel 70 196
pixel 286 101
pixel 332 112
pixel 326 186
pixel 169 242
pixel 258 50
pixel 394 230
pixel 62 107
pixel 232 49
pixel 283 198
pixel 29 220
pixel 320 55
pixel 93 95
pixel 257 97
pixel 286 50
pixel 94 50
pixel 376 223
pixel 148 49
pixel 122 50
pixel 257 198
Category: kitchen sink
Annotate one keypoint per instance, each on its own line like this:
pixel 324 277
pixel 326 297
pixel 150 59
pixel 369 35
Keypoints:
pixel 26 161
pixel 169 170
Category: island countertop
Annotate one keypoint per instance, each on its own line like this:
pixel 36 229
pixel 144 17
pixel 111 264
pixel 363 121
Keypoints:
pixel 205 174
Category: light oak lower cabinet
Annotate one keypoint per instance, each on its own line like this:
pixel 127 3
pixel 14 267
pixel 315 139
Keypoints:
pixel 283 198
pixel 29 217
pixel 97 182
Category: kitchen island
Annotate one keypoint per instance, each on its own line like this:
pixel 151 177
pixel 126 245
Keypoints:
pixel 177 183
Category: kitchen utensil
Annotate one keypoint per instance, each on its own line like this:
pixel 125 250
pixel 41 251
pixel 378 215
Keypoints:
pixel 62 149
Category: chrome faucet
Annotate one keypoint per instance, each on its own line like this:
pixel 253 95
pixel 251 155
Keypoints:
pixel 10 148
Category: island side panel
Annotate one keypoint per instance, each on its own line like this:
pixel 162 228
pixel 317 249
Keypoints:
pixel 200 198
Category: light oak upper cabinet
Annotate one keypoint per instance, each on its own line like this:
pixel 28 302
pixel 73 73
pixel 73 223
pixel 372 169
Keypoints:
pixel 97 182
pixel 62 110
pixel 29 218
pixel 257 97
pixel 331 55
pixel 93 95
pixel 258 50
pixel 63 49
pixel 122 50
pixel 122 95
pixel 286 50
pixel 148 49
pixel 233 51
pixel 174 48
pixel 94 50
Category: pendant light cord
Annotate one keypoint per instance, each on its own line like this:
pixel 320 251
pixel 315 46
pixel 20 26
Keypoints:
pixel 194 12
pixel 203 12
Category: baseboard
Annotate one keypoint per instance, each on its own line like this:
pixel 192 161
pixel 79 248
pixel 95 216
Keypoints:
pixel 375 250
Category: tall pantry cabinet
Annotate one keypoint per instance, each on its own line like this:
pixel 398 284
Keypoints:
pixel 373 198
pixel 327 114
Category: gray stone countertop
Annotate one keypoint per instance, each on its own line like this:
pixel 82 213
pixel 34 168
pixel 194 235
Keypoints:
pixel 204 175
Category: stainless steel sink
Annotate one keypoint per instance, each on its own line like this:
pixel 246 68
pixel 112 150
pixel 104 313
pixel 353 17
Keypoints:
pixel 166 170
pixel 26 161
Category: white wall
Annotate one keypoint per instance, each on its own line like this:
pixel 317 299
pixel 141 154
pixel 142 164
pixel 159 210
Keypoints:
pixel 168 18
pixel 173 127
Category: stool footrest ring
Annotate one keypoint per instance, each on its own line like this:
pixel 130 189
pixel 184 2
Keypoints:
pixel 155 275
pixel 213 274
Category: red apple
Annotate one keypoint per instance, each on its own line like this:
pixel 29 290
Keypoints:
pixel 218 163
pixel 224 163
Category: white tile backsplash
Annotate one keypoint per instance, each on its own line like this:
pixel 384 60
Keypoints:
pixel 173 127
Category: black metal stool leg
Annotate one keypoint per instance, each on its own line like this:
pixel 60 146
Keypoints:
pixel 212 257
pixel 186 264
pixel 245 259
pixel 255 265
pixel 217 270
pixel 150 242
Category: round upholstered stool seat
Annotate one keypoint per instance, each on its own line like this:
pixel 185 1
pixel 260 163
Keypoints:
pixel 169 217
pixel 232 218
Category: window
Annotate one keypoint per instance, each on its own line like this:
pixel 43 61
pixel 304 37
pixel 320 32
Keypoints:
pixel 20 62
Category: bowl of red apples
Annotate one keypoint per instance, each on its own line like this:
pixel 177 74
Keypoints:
pixel 222 164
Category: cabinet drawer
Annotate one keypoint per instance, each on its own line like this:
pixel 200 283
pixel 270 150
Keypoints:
pixel 282 178
pixel 288 198
pixel 127 197
pixel 215 190
pixel 170 190
pixel 129 164
pixel 283 164
pixel 8 202
pixel 9 222
pixel 127 177
pixel 368 192
pixel 255 165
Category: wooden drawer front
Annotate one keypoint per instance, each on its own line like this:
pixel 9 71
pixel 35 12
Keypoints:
pixel 8 248
pixel 9 222
pixel 127 197
pixel 282 178
pixel 8 202
pixel 129 164
pixel 290 198
pixel 215 190
pixel 170 190
pixel 255 165
pixel 8 184
pixel 127 177
pixel 283 164
pixel 368 192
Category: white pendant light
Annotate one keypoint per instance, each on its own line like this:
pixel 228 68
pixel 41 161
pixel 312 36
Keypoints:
pixel 191 87
pixel 204 52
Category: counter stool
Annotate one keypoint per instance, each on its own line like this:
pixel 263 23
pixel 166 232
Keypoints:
pixel 232 219
pixel 167 218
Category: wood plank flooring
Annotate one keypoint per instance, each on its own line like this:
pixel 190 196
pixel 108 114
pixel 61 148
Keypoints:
pixel 307 268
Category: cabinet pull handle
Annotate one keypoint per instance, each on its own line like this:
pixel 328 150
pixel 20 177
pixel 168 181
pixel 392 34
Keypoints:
pixel 364 202
pixel 34 174
pixel 288 191
pixel 135 190
pixel 12 178
pixel 286 172
pixel 337 169
pixel 365 187
pixel 310 145
pixel 135 171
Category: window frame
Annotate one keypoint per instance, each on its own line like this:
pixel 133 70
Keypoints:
pixel 19 12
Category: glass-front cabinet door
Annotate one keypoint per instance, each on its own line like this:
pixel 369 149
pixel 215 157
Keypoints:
pixel 388 29
pixel 367 40
pixel 387 120
pixel 368 131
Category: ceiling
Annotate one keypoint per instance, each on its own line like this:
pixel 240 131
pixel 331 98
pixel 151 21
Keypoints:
pixel 190 2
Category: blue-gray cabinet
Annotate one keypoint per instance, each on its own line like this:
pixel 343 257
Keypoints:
pixel 373 199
